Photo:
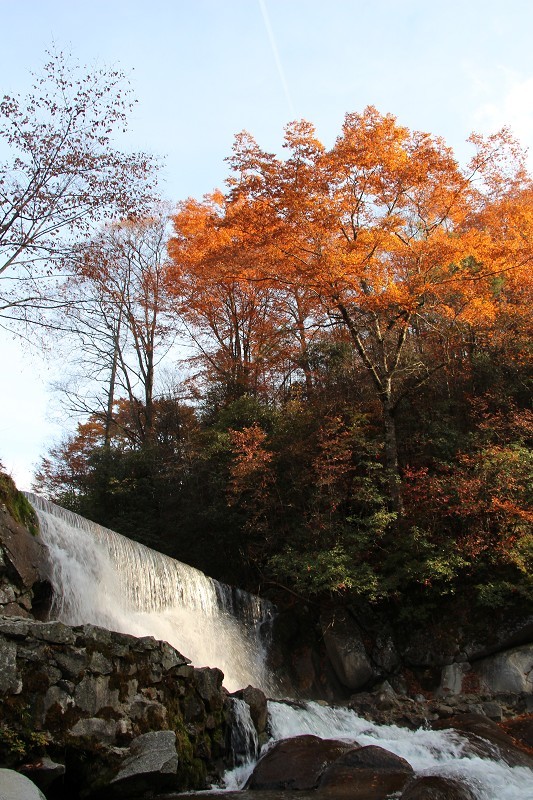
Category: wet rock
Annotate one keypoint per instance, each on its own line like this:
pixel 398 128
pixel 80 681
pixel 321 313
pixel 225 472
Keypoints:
pixel 436 787
pixel 257 702
pixel 368 773
pixel 296 763
pixel 486 738
pixel 520 729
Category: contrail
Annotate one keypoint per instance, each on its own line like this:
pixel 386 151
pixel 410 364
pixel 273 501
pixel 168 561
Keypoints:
pixel 279 65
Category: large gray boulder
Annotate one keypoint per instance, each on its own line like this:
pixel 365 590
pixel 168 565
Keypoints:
pixel 507 672
pixel 346 650
pixel 14 786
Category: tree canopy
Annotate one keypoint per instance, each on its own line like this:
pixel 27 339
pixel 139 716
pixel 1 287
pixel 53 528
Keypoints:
pixel 356 420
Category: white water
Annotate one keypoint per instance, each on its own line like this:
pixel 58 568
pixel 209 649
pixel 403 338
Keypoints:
pixel 429 752
pixel 103 578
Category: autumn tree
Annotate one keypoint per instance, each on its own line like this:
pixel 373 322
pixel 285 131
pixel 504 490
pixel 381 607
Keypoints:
pixel 250 335
pixel 386 234
pixel 63 174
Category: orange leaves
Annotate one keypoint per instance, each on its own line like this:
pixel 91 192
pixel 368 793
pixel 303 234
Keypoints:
pixel 383 234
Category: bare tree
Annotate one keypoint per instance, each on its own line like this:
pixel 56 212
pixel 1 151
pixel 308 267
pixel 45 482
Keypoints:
pixel 121 326
pixel 63 175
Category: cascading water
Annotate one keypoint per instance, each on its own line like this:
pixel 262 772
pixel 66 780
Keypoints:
pixel 104 578
pixel 108 580
pixel 444 753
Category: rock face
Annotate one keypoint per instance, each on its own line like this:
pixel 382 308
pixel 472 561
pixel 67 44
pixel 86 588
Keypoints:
pixel 474 660
pixel 23 568
pixel 88 696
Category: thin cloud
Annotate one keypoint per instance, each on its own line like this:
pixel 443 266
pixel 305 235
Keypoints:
pixel 277 58
pixel 511 105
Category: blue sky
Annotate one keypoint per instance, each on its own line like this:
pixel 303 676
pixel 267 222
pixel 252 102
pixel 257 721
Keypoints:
pixel 202 70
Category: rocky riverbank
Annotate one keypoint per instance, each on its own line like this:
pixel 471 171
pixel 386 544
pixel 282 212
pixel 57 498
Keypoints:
pixel 91 708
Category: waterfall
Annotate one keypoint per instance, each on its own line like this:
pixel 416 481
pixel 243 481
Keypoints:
pixel 101 577
pixel 105 579
pixel 429 752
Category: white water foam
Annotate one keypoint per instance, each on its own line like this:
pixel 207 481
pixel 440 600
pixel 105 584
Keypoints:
pixel 444 753
pixel 103 578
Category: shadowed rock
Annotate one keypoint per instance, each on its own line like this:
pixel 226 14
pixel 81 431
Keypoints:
pixel 435 787
pixel 488 740
pixel 296 763
pixel 151 766
pixel 368 773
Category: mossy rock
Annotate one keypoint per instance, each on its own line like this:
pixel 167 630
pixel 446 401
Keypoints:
pixel 17 505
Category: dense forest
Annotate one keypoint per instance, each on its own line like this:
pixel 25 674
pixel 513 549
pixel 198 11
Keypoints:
pixel 353 331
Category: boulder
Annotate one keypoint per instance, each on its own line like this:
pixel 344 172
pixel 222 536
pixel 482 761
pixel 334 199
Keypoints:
pixel 150 766
pixel 508 672
pixel 296 763
pixel 256 700
pixel 436 787
pixel 43 772
pixel 486 738
pixel 14 786
pixel 366 773
pixel 346 650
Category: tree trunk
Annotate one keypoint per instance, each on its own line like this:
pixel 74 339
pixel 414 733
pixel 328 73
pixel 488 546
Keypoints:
pixel 391 459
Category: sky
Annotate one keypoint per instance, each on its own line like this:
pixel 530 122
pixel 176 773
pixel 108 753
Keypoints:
pixel 203 70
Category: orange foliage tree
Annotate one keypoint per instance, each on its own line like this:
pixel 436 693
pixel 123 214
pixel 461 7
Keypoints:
pixel 384 235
